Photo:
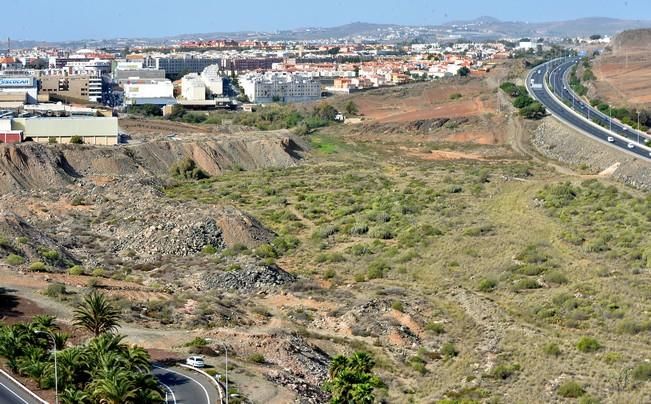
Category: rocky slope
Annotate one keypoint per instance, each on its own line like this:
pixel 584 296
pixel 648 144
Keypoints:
pixel 35 166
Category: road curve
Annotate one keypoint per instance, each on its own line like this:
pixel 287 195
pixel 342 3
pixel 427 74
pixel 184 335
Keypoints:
pixel 577 113
pixel 11 393
pixel 184 386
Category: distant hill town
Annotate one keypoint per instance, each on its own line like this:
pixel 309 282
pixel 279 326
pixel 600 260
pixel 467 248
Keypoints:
pixel 483 28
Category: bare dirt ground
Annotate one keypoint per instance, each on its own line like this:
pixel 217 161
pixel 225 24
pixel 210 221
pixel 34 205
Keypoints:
pixel 623 78
pixel 433 100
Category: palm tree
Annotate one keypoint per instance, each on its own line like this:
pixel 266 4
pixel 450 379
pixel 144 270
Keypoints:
pixel 338 363
pixel 361 362
pixel 34 365
pixel 97 315
pixel 12 342
pixel 149 390
pixel 72 367
pixel 114 387
pixel 138 358
pixel 73 396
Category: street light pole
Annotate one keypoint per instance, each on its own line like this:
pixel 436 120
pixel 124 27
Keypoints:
pixel 226 352
pixel 56 376
pixel 610 116
pixel 638 126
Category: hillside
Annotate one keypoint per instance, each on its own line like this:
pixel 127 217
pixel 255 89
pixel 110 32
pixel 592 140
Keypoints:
pixel 623 74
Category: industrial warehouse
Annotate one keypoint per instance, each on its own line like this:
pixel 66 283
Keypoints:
pixel 102 131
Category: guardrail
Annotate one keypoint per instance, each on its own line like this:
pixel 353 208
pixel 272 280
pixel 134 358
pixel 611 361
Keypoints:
pixel 221 389
pixel 16 382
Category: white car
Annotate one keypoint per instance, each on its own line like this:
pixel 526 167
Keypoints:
pixel 630 146
pixel 195 361
pixel 611 139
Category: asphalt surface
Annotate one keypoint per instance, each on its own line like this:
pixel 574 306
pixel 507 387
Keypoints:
pixel 185 386
pixel 11 393
pixel 621 137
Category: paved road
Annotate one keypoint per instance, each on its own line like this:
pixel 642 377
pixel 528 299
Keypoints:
pixel 621 137
pixel 184 386
pixel 11 393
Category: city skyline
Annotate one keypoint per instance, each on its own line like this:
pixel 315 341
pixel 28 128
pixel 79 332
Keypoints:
pixel 125 19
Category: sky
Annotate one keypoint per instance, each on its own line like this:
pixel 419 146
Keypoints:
pixel 47 20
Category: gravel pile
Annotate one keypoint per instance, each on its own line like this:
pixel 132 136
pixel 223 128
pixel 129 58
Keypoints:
pixel 174 238
pixel 250 278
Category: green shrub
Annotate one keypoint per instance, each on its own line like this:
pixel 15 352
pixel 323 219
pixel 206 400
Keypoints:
pixel 358 229
pixel 487 285
pixel 76 140
pixel 552 349
pixel 555 277
pixel 257 358
pixel 360 278
pixel 196 342
pixel 448 350
pixel 98 273
pixel 588 344
pixel 436 328
pixel 376 269
pixel 209 250
pixel 324 232
pixel 13 260
pixel 504 371
pixel 642 372
pixel 397 305
pixel 55 290
pixel 329 274
pixel 50 255
pixel 266 251
pixel 455 96
pixel 527 283
pixel 187 169
pixel 570 389
pixel 382 233
pixel 37 266
pixel 22 240
pixel 76 270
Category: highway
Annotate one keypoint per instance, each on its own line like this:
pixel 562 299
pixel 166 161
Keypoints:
pixel 11 393
pixel 577 113
pixel 184 386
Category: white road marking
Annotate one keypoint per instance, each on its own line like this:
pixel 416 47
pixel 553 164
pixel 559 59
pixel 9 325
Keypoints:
pixel 171 392
pixel 188 377
pixel 12 392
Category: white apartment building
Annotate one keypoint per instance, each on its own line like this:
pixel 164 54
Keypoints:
pixel 213 80
pixel 280 87
pixel 193 87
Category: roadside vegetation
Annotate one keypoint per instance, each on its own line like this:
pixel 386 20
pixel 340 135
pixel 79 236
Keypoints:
pixel 528 107
pixel 103 369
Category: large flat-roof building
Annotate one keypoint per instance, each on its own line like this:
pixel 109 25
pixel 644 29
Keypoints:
pixel 23 88
pixel 175 66
pixel 280 87
pixel 92 130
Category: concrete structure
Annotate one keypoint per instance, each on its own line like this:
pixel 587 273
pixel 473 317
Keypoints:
pixel 250 64
pixel 122 76
pixel 73 88
pixel 96 131
pixel 23 87
pixel 193 87
pixel 283 87
pixel 213 80
pixel 175 66
pixel 158 92
pixel 7 135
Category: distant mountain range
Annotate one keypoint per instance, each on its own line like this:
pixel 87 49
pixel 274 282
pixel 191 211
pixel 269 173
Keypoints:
pixel 480 28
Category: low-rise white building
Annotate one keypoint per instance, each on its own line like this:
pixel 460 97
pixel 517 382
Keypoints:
pixel 280 87
pixel 193 87
pixel 213 80
pixel 158 92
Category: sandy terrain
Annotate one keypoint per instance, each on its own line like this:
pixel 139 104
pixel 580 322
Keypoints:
pixel 433 101
pixel 623 79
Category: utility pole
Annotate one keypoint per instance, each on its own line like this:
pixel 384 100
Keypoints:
pixel 610 116
pixel 638 126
